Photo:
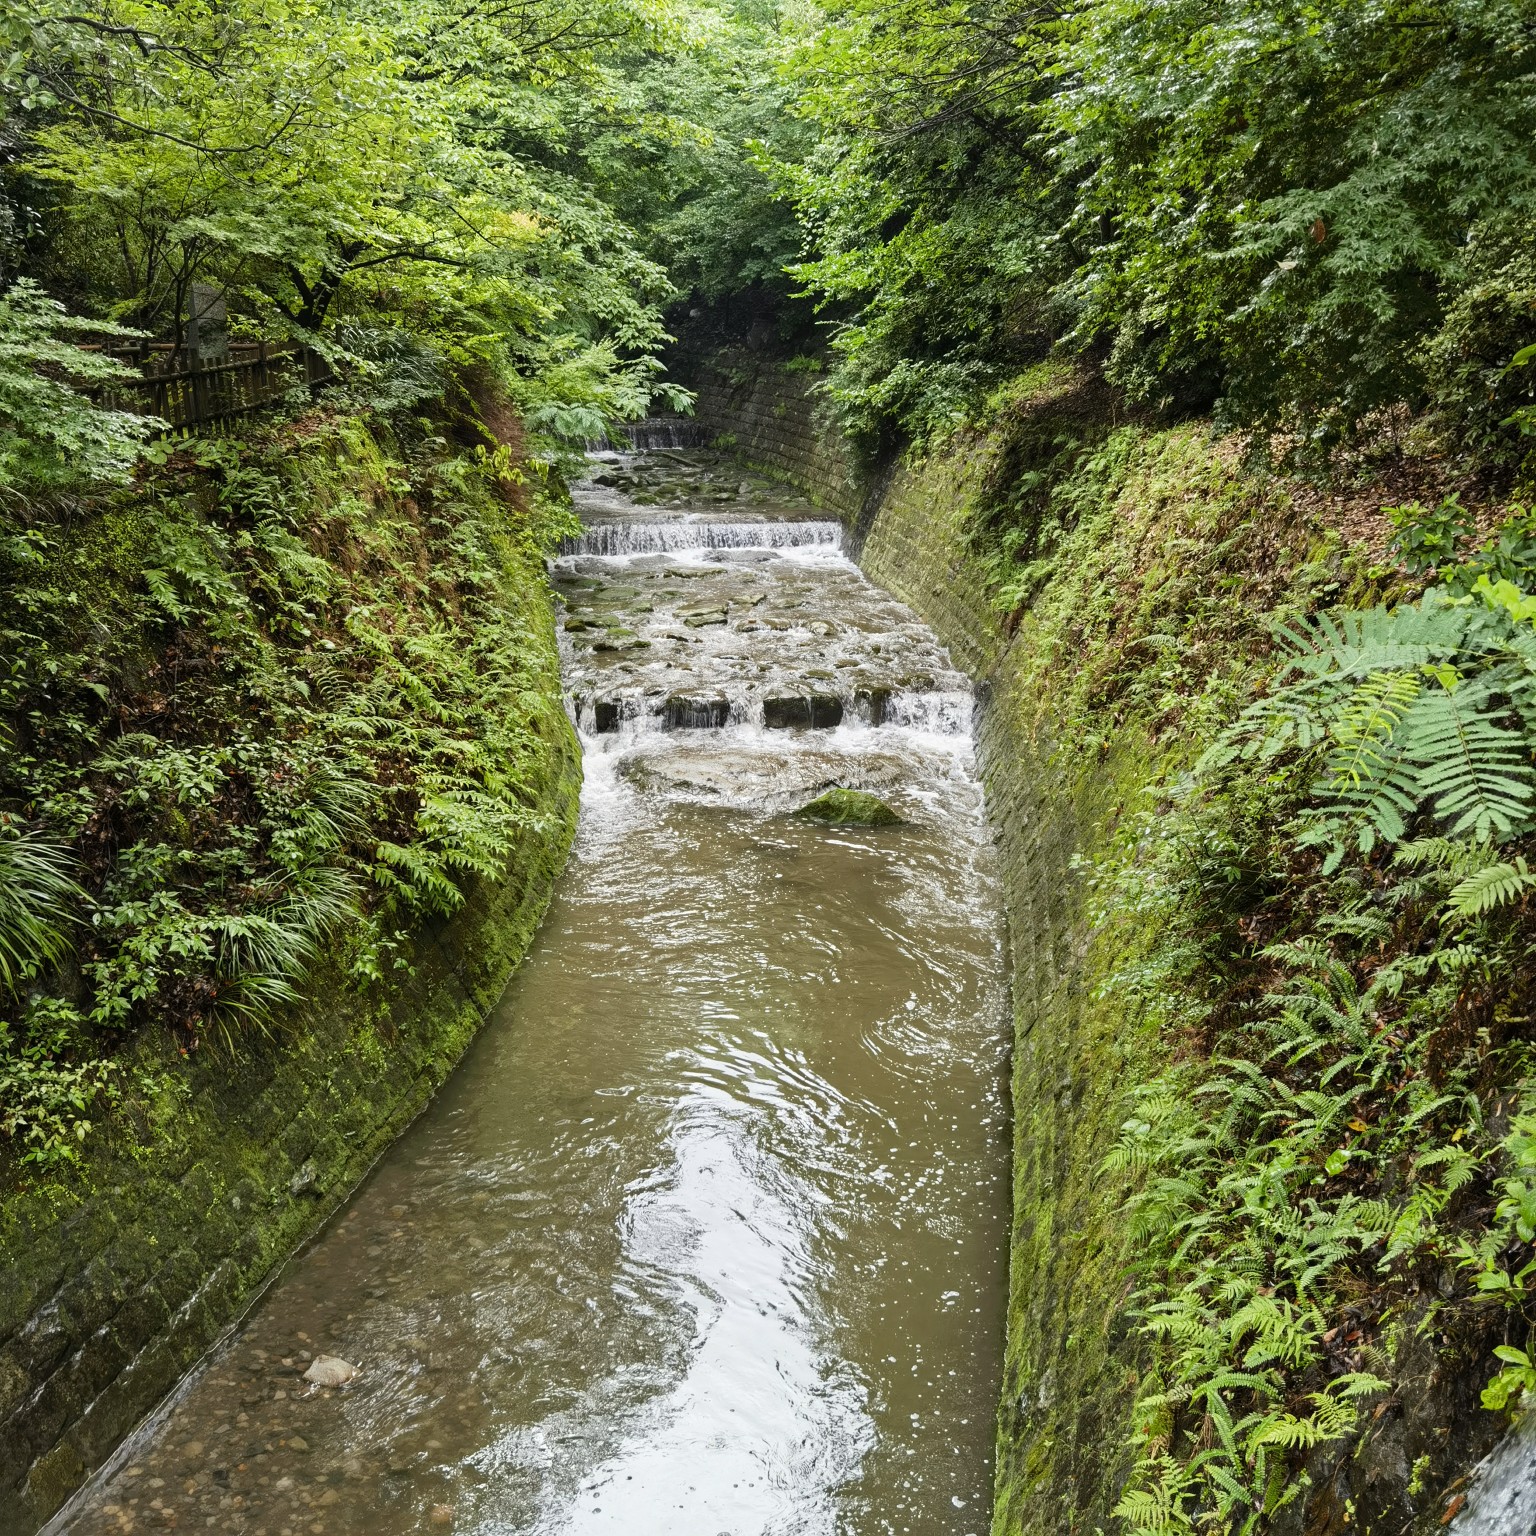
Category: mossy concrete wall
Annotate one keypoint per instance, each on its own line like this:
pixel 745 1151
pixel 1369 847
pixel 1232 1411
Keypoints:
pixel 117 1279
pixel 1072 1359
pixel 767 416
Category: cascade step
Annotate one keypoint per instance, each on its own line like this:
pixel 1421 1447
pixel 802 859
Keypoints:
pixel 687 533
pixel 813 711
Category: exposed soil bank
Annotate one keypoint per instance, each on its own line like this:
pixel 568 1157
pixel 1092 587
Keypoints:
pixel 1122 648
pixel 120 1272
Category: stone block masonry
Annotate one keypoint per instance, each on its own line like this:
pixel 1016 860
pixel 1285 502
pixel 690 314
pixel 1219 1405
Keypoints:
pixel 120 1278
pixel 769 419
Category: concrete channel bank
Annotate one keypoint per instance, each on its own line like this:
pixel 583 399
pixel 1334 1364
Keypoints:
pixel 1086 683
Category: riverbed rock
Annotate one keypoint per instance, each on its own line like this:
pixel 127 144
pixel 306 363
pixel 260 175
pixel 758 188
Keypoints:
pixel 330 1371
pixel 620 640
pixel 694 615
pixel 806 711
pixel 850 808
pixel 696 711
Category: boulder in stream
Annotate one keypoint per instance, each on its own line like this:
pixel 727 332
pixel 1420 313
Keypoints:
pixel 694 615
pixel 850 808
pixel 621 640
pixel 815 711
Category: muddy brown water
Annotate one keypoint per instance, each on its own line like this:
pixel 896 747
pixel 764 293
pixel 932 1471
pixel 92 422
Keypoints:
pixel 707 1233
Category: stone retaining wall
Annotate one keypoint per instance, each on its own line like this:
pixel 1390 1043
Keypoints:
pixel 1070 1367
pixel 117 1281
pixel 768 416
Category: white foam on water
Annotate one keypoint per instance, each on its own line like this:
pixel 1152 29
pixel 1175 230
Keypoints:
pixel 693 532
pixel 665 432
pixel 947 712
pixel 1501 1496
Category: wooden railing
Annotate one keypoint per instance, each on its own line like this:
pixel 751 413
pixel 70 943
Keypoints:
pixel 183 393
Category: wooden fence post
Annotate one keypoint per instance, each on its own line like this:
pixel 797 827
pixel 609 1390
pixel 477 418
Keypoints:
pixel 187 395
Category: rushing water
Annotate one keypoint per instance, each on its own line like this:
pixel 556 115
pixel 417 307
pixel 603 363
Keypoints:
pixel 707 1233
pixel 1500 1498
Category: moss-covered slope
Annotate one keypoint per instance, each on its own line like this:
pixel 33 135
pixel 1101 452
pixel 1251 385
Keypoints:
pixel 290 710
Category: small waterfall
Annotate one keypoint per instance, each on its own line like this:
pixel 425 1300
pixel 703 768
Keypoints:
pixel 665 432
pixel 1501 1498
pixel 772 710
pixel 944 712
pixel 698 533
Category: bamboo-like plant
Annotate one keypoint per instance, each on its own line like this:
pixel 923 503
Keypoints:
pixel 39 898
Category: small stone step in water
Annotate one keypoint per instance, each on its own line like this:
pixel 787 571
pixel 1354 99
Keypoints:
pixel 687 622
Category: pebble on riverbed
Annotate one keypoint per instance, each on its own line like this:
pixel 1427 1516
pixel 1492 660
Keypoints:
pixel 330 1371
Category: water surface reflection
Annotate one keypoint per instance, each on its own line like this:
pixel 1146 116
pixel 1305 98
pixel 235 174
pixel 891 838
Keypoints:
pixel 706 1235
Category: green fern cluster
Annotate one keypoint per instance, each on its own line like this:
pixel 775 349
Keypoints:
pixel 1251 1203
pixel 1427 709
pixel 1337 1128
pixel 298 718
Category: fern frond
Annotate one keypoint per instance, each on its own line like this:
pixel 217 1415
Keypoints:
pixel 1472 762
pixel 1331 1420
pixel 1496 885
pixel 1364 727
pixel 1354 643
pixel 413 874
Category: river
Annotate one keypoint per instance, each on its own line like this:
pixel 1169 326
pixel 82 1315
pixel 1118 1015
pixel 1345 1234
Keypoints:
pixel 707 1234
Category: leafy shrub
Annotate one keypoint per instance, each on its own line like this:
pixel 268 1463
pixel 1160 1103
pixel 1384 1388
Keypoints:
pixel 1480 394
pixel 50 432
pixel 1425 539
